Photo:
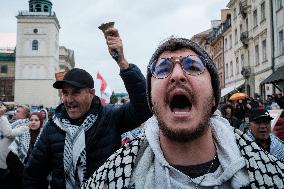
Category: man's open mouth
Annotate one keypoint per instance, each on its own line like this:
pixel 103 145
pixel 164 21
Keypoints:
pixel 72 107
pixel 180 103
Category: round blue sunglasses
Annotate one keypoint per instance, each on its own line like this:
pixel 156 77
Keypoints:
pixel 191 64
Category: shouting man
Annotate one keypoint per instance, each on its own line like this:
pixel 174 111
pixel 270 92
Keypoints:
pixel 185 145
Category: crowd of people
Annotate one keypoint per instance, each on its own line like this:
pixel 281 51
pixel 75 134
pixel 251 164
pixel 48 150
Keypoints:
pixel 172 133
pixel 237 112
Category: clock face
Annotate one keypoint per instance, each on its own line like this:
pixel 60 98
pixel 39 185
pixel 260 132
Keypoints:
pixel 35 30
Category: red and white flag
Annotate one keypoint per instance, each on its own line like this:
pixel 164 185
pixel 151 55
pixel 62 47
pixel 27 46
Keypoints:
pixel 102 89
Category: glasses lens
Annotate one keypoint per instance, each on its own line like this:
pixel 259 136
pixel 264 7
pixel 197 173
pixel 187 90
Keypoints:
pixel 193 65
pixel 161 68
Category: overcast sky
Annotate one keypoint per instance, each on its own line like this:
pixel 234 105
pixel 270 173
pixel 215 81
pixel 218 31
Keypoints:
pixel 142 25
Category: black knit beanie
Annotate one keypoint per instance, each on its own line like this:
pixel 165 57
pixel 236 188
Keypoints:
pixel 173 44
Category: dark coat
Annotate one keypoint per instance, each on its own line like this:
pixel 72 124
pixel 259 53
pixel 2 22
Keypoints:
pixel 101 140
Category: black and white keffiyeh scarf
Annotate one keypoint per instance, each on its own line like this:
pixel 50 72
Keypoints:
pixel 20 122
pixel 20 146
pixel 265 171
pixel 75 150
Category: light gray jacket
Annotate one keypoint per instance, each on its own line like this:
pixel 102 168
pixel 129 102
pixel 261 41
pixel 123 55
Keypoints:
pixel 8 134
pixel 153 171
pixel 141 164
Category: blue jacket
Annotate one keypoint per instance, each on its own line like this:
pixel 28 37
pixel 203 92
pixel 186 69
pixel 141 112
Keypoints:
pixel 276 147
pixel 101 140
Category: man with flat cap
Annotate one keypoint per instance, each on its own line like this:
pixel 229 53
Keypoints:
pixel 260 131
pixel 83 134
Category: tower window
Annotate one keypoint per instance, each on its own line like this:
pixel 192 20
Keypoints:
pixel 4 69
pixel 35 45
pixel 38 8
pixel 45 8
pixel 35 30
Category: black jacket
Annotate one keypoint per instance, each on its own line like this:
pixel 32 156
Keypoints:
pixel 102 139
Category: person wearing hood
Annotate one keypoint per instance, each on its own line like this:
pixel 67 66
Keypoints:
pixel 83 133
pixel 20 150
pixel 185 145
pixel 44 114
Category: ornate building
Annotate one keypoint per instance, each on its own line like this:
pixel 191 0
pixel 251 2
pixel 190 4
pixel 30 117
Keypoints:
pixel 28 70
pixel 37 55
pixel 7 74
pixel 252 34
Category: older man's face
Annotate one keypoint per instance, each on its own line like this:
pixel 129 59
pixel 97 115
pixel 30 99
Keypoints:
pixel 77 102
pixel 182 102
pixel 260 128
pixel 20 113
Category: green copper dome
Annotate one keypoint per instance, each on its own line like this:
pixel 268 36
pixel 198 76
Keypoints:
pixel 40 6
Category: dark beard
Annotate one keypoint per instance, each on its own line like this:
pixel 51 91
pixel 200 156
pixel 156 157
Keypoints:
pixel 185 135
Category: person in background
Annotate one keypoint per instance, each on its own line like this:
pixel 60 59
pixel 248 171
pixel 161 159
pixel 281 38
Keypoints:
pixel 239 110
pixel 228 113
pixel 83 133
pixel 185 145
pixel 260 132
pixel 44 114
pixel 279 99
pixel 20 150
pixel 7 135
pixel 278 129
pixel 274 104
pixel 21 116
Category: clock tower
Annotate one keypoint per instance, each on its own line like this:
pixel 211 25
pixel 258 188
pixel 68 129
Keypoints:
pixel 37 55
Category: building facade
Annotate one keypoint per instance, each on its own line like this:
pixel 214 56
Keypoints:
pixel 37 55
pixel 277 12
pixel 252 44
pixel 7 74
pixel 66 59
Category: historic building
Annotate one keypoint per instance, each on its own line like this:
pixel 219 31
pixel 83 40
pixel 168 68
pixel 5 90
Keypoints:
pixel 234 80
pixel 248 47
pixel 66 59
pixel 37 55
pixel 7 74
pixel 277 77
pixel 7 69
pixel 216 40
pixel 28 72
pixel 252 46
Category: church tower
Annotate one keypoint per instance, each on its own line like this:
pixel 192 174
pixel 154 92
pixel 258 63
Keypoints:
pixel 37 55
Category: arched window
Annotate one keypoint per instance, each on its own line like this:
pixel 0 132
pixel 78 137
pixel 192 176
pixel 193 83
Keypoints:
pixel 35 45
pixel 45 8
pixel 38 8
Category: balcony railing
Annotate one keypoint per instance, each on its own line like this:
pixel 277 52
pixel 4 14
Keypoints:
pixel 27 13
pixel 243 8
pixel 244 38
pixel 246 72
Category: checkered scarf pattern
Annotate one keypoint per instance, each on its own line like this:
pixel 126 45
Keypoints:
pixel 20 146
pixel 265 171
pixel 116 171
pixel 75 150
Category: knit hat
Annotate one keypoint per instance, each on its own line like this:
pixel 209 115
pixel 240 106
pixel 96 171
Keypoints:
pixel 173 44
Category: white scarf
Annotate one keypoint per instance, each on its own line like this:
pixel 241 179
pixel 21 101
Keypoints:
pixel 75 150
pixel 20 146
